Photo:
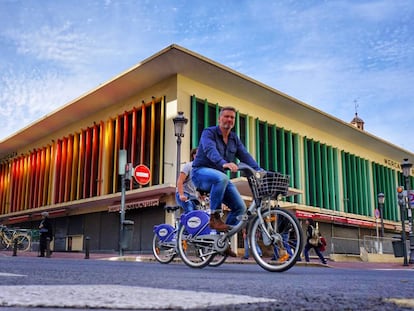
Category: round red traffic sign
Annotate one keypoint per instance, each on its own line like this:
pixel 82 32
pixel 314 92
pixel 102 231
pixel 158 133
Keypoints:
pixel 142 174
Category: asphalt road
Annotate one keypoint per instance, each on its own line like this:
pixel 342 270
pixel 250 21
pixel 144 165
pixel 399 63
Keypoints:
pixel 27 283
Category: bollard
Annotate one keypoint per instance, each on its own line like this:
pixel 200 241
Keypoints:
pixel 48 247
pixel 87 239
pixel 15 247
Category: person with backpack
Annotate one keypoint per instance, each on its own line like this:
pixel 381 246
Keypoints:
pixel 313 241
pixel 45 229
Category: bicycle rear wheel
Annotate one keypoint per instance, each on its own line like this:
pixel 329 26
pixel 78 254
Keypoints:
pixel 193 253
pixel 164 252
pixel 23 242
pixel 218 260
pixel 281 251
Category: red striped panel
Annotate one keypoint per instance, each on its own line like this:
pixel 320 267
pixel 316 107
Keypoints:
pixel 57 170
pixel 100 159
pixel 69 159
pixel 94 160
pixel 62 175
pixel 75 165
pixel 87 166
pixel 81 165
pixel 133 141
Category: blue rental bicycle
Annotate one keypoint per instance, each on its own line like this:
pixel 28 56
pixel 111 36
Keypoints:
pixel 274 233
pixel 164 242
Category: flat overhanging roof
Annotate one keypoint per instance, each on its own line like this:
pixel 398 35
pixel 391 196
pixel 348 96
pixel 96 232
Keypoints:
pixel 176 60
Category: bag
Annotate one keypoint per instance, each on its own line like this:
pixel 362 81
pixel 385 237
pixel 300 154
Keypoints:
pixel 322 247
pixel 314 240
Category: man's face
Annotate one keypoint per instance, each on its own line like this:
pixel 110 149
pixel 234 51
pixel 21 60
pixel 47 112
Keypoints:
pixel 226 119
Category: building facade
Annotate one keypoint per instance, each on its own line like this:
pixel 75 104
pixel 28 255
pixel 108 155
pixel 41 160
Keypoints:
pixel 67 163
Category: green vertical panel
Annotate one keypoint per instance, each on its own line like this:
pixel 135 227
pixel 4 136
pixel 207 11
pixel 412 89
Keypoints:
pixel 318 169
pixel 330 180
pixel 366 196
pixel 374 178
pixel 325 183
pixel 312 172
pixel 354 185
pixel 336 179
pixel 266 145
pixel 306 170
pixel 387 191
pixel 368 189
pixel 206 114
pixel 247 133
pixel 346 184
pixel 297 182
pixel 362 183
pixel 393 195
pixel 282 150
pixel 237 124
pixel 194 124
pixel 276 147
pixel 289 152
pixel 289 157
pixel 257 144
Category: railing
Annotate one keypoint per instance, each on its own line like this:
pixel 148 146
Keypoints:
pixel 371 244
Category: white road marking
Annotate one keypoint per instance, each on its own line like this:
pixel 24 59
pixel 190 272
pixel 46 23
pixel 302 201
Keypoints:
pixel 10 274
pixel 116 296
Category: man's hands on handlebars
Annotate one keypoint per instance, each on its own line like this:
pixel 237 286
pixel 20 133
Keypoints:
pixel 231 166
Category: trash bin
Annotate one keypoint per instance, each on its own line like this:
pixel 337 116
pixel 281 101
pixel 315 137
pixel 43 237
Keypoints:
pixel 397 247
pixel 126 241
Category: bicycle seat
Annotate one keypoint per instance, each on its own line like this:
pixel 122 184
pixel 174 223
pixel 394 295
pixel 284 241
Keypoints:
pixel 170 209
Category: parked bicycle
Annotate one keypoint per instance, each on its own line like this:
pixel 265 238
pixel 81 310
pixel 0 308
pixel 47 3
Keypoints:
pixel 9 236
pixel 164 242
pixel 275 235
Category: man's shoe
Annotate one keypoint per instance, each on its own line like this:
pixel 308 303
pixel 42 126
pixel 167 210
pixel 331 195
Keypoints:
pixel 216 223
pixel 230 253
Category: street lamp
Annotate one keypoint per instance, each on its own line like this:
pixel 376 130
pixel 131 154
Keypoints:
pixel 179 122
pixel 406 168
pixel 381 200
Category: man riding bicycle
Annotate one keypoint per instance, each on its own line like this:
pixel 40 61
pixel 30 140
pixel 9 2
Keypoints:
pixel 218 148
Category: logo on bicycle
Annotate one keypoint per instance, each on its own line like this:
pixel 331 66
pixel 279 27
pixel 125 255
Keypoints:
pixel 193 222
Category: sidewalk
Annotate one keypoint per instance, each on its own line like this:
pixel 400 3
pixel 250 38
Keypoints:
pixel 238 260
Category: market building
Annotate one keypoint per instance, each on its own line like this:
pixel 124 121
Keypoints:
pixel 67 162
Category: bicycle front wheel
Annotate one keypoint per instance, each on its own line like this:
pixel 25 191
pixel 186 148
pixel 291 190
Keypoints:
pixel 23 242
pixel 194 254
pixel 276 243
pixel 164 252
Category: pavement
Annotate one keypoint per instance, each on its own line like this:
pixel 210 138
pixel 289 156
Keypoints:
pixel 237 260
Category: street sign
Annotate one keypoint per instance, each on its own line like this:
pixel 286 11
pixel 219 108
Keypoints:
pixel 142 174
pixel 377 213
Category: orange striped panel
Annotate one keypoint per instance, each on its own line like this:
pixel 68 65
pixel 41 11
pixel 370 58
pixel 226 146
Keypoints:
pixel 79 194
pixel 68 177
pixel 87 167
pixel 75 165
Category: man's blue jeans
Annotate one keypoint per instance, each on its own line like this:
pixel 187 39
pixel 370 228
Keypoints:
pixel 221 189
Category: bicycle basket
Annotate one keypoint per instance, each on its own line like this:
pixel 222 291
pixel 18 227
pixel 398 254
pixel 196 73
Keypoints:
pixel 270 185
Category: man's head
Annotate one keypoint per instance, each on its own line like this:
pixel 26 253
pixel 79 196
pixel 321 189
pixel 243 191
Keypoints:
pixel 45 214
pixel 227 118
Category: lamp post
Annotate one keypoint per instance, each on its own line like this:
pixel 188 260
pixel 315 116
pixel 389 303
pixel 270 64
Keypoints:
pixel 381 200
pixel 179 122
pixel 406 168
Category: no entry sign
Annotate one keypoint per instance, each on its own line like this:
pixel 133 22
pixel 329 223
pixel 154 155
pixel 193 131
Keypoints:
pixel 142 174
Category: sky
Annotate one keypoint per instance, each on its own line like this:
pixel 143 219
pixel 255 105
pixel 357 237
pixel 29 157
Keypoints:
pixel 340 57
